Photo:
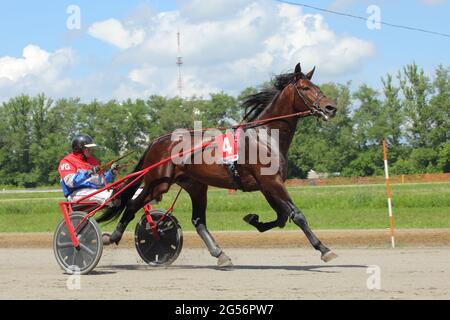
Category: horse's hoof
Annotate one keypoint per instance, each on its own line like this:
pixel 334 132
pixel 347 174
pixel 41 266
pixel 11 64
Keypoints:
pixel 223 261
pixel 330 255
pixel 251 219
pixel 106 239
pixel 115 237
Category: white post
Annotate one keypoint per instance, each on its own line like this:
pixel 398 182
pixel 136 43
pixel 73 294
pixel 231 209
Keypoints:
pixel 388 189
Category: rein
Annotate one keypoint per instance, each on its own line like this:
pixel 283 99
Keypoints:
pixel 255 123
pixel 313 106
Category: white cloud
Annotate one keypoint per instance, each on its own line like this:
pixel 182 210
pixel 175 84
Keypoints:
pixel 37 71
pixel 225 47
pixel 113 32
pixel 213 10
pixel 34 61
pixel 255 40
pixel 143 75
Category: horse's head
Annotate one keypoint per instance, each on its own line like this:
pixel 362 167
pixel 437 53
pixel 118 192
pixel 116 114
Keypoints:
pixel 310 97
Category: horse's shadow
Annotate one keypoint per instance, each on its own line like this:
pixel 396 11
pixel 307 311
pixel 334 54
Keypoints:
pixel 310 268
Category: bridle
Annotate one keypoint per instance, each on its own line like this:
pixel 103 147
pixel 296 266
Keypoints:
pixel 313 110
pixel 313 106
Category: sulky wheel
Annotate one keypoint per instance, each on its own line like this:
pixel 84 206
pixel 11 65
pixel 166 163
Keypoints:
pixel 162 251
pixel 84 259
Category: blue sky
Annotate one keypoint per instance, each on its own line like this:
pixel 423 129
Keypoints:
pixel 97 59
pixel 397 47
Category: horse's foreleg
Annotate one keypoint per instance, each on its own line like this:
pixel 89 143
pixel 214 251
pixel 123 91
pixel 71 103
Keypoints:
pixel 300 220
pixel 278 197
pixel 280 222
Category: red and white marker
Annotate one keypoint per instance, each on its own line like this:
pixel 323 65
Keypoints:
pixel 388 188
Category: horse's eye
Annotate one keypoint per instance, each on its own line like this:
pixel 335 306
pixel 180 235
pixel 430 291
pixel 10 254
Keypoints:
pixel 305 88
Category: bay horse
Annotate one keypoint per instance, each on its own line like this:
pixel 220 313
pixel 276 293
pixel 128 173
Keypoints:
pixel 290 94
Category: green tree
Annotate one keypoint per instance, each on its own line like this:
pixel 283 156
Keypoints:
pixel 222 110
pixel 438 119
pixel 416 88
pixel 168 115
pixel 393 114
pixel 444 158
pixel 324 146
pixel 367 163
pixel 369 122
pixel 17 142
pixel 338 132
pixel 25 130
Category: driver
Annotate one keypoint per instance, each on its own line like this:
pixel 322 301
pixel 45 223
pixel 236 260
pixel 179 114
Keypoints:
pixel 80 172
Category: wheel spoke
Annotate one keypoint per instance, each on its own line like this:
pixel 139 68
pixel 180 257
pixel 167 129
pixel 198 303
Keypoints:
pixel 90 232
pixel 166 227
pixel 86 248
pixel 86 257
pixel 64 245
pixel 74 256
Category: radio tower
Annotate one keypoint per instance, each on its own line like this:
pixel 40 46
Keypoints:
pixel 180 65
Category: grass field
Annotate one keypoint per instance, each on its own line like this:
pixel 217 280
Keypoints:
pixel 333 207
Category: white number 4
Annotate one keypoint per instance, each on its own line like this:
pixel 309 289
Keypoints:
pixel 227 146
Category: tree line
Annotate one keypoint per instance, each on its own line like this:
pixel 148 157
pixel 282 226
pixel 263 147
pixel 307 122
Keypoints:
pixel 412 111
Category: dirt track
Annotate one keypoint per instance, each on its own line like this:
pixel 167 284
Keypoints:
pixel 283 273
pixel 276 265
pixel 273 239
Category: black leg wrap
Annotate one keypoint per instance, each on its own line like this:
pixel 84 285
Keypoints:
pixel 300 220
pixel 211 244
pixel 121 227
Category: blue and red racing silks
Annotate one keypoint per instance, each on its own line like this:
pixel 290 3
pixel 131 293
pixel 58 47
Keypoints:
pixel 74 173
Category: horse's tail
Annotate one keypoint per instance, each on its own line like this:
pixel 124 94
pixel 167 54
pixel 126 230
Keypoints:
pixel 113 213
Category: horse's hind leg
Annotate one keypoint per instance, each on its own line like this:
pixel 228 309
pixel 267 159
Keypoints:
pixel 153 190
pixel 198 193
pixel 132 207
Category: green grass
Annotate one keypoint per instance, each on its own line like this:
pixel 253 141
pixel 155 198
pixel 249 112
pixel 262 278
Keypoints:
pixel 342 207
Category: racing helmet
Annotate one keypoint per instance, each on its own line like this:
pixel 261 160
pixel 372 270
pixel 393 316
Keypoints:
pixel 82 141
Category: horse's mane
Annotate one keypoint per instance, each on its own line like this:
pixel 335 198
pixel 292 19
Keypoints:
pixel 255 103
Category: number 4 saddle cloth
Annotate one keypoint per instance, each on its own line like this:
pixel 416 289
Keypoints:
pixel 227 146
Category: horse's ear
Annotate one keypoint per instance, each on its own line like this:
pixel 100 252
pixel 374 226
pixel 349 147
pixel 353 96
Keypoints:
pixel 310 74
pixel 298 71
